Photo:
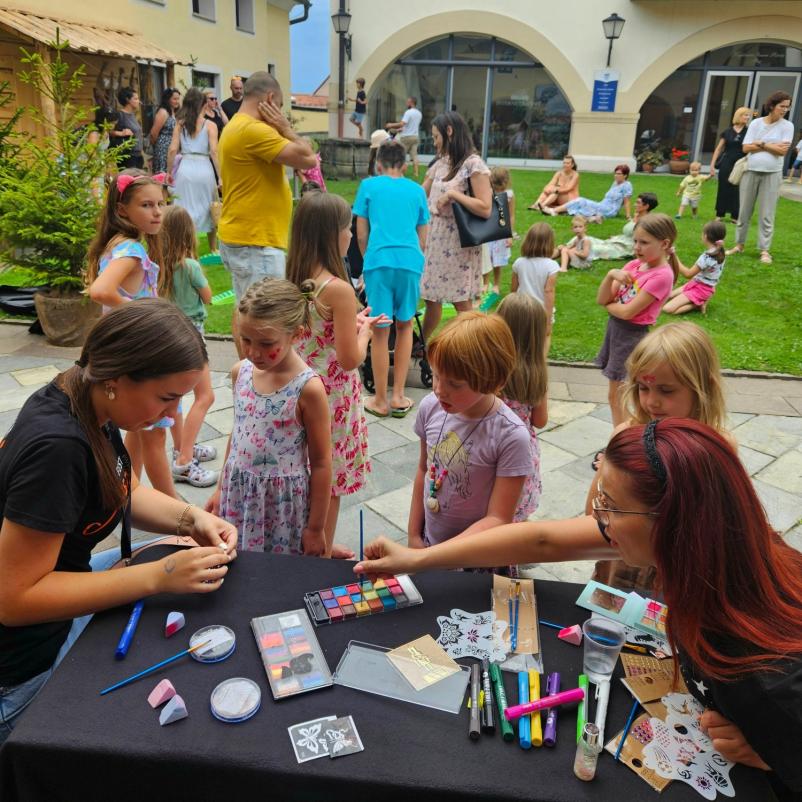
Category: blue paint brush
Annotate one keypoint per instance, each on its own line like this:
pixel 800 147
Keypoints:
pixel 626 729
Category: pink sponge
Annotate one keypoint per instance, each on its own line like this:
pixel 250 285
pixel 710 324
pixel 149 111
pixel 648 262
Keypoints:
pixel 175 621
pixel 162 693
pixel 571 634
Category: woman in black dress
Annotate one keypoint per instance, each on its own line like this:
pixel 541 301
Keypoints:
pixel 728 151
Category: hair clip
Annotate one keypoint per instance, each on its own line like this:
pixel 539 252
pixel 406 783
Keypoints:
pixel 672 250
pixel 160 178
pixel 719 243
pixel 125 181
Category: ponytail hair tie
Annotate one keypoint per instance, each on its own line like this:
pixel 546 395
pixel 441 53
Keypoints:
pixel 672 250
pixel 719 243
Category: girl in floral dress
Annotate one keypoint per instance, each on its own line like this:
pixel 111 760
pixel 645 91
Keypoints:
pixel 275 484
pixel 338 340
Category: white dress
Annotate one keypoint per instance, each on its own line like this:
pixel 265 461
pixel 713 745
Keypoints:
pixel 195 186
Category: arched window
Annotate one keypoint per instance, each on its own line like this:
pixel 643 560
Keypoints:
pixel 510 103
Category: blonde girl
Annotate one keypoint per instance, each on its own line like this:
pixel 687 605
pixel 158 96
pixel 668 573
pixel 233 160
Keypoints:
pixel 577 251
pixel 475 452
pixel 189 290
pixel 122 266
pixel 275 484
pixel 704 275
pixel 535 272
pixel 500 249
pixel 336 342
pixel 633 296
pixel 673 372
pixel 525 390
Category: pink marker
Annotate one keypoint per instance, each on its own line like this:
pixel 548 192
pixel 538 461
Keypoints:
pixel 562 698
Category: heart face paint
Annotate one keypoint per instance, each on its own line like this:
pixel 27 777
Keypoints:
pixel 648 378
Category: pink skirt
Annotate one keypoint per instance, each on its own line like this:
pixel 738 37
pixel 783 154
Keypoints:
pixel 697 292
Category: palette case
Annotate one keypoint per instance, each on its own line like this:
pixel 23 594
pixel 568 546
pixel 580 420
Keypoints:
pixel 291 654
pixel 361 598
pixel 631 609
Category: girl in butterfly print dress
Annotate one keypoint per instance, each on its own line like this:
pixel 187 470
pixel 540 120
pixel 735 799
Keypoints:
pixel 338 340
pixel 275 484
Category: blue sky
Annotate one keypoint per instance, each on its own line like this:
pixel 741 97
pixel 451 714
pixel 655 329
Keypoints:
pixel 309 48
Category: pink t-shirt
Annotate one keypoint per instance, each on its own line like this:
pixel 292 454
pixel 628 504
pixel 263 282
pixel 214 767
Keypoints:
pixel 657 281
pixel 499 446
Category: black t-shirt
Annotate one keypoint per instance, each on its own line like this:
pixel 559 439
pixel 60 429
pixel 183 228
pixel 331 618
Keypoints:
pixel 360 105
pixel 217 119
pixel 767 708
pixel 231 106
pixel 49 482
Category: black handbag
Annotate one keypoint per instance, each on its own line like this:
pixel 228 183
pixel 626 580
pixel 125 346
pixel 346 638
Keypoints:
pixel 475 230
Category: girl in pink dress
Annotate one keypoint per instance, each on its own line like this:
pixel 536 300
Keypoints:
pixel 337 342
pixel 525 390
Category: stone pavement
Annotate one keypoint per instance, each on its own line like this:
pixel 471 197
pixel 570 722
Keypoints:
pixel 765 417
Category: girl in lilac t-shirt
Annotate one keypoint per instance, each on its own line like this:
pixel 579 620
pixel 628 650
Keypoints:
pixel 633 297
pixel 476 453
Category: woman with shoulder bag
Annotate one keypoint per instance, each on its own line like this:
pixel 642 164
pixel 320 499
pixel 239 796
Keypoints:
pixel 458 176
pixel 766 142
pixel 728 151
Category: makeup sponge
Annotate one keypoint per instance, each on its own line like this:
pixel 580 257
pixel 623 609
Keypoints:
pixel 175 621
pixel 174 710
pixel 571 634
pixel 162 693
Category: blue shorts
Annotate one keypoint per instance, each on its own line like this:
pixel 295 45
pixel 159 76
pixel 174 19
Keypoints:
pixel 251 263
pixel 392 291
pixel 357 117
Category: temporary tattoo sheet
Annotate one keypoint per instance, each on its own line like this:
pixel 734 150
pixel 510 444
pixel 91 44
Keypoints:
pixel 423 662
pixel 309 742
pixel 477 635
pixel 342 737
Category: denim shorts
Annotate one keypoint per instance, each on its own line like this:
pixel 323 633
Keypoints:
pixel 392 291
pixel 357 117
pixel 251 263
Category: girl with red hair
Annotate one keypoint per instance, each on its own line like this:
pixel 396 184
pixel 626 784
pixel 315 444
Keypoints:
pixel 673 494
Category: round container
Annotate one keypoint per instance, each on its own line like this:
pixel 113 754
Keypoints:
pixel 235 700
pixel 224 641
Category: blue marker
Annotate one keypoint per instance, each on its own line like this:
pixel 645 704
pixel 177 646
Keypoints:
pixel 524 728
pixel 128 632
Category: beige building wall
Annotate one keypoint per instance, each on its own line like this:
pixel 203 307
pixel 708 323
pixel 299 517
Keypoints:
pixel 567 38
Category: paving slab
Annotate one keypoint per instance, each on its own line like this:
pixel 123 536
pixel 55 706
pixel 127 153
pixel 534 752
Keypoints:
pixel 794 537
pixel 563 496
pixel 393 506
pixel 783 509
pixel 770 434
pixel 383 438
pixel 28 377
pixel 402 459
pixel 553 457
pixel 753 461
pixel 785 473
pixel 562 412
pixel 581 437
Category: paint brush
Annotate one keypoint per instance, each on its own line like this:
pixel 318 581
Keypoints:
pixel 514 644
pixel 361 549
pixel 153 668
pixel 549 624
pixel 641 649
pixel 626 729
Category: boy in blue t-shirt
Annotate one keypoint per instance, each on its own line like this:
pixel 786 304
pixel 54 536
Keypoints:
pixel 391 223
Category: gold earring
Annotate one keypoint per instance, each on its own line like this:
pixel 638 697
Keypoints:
pixel 110 393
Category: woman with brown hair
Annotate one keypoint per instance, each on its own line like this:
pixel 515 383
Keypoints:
pixel 66 483
pixel 728 150
pixel 563 187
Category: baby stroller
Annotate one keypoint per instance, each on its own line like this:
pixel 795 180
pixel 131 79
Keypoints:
pixel 353 261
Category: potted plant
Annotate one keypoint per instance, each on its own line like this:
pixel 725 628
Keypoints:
pixel 51 196
pixel 649 158
pixel 680 161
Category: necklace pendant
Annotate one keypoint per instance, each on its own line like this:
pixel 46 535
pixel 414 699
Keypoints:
pixel 433 504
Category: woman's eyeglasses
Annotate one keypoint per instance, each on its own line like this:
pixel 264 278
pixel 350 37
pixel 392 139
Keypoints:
pixel 602 512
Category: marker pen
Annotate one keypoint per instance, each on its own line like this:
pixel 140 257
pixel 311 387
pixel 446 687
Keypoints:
pixel 524 734
pixel 489 724
pixel 507 732
pixel 602 698
pixel 128 632
pixel 473 727
pixel 581 711
pixel 550 731
pixel 534 695
pixel 544 703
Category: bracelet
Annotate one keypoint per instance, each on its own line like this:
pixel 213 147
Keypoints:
pixel 181 520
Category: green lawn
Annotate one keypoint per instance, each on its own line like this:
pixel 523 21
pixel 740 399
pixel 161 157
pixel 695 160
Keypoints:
pixel 755 318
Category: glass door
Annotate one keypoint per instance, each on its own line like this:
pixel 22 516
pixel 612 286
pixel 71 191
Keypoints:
pixel 724 92
pixel 468 97
pixel 768 82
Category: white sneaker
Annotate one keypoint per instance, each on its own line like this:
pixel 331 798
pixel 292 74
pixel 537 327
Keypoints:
pixel 203 453
pixel 193 474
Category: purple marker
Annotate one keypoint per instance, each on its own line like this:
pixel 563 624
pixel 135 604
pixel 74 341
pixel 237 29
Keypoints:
pixel 550 730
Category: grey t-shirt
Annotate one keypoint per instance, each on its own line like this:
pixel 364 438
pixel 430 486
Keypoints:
pixel 127 120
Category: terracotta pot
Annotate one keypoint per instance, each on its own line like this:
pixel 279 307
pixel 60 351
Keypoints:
pixel 647 168
pixel 66 319
pixel 679 166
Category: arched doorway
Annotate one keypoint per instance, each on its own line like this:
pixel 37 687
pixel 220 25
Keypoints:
pixel 512 106
pixel 691 108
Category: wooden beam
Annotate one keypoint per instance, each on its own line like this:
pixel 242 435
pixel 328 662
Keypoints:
pixel 46 104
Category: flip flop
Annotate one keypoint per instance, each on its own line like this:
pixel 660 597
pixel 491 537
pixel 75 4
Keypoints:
pixel 374 412
pixel 401 412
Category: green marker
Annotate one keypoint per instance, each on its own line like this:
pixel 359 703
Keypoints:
pixel 581 719
pixel 507 732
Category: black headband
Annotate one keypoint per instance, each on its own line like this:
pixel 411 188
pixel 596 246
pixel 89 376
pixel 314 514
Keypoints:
pixel 658 469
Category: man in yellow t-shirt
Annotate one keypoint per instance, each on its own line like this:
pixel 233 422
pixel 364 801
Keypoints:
pixel 256 146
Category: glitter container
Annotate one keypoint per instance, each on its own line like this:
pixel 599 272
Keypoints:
pixel 221 643
pixel 235 700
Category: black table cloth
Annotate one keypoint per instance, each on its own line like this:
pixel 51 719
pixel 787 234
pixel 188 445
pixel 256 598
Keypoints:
pixel 72 744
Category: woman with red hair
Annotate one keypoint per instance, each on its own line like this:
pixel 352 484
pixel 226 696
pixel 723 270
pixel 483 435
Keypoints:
pixel 673 494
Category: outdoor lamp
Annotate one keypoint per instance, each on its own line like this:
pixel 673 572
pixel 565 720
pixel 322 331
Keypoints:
pixel 613 26
pixel 342 22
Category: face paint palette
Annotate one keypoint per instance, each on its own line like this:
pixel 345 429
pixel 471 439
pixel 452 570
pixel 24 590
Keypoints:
pixel 291 653
pixel 630 609
pixel 361 598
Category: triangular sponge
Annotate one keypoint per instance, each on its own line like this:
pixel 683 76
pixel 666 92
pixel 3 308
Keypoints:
pixel 162 693
pixel 175 621
pixel 174 710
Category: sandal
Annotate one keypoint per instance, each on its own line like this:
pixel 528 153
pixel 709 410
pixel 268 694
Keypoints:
pixel 535 207
pixel 765 258
pixel 375 412
pixel 401 412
